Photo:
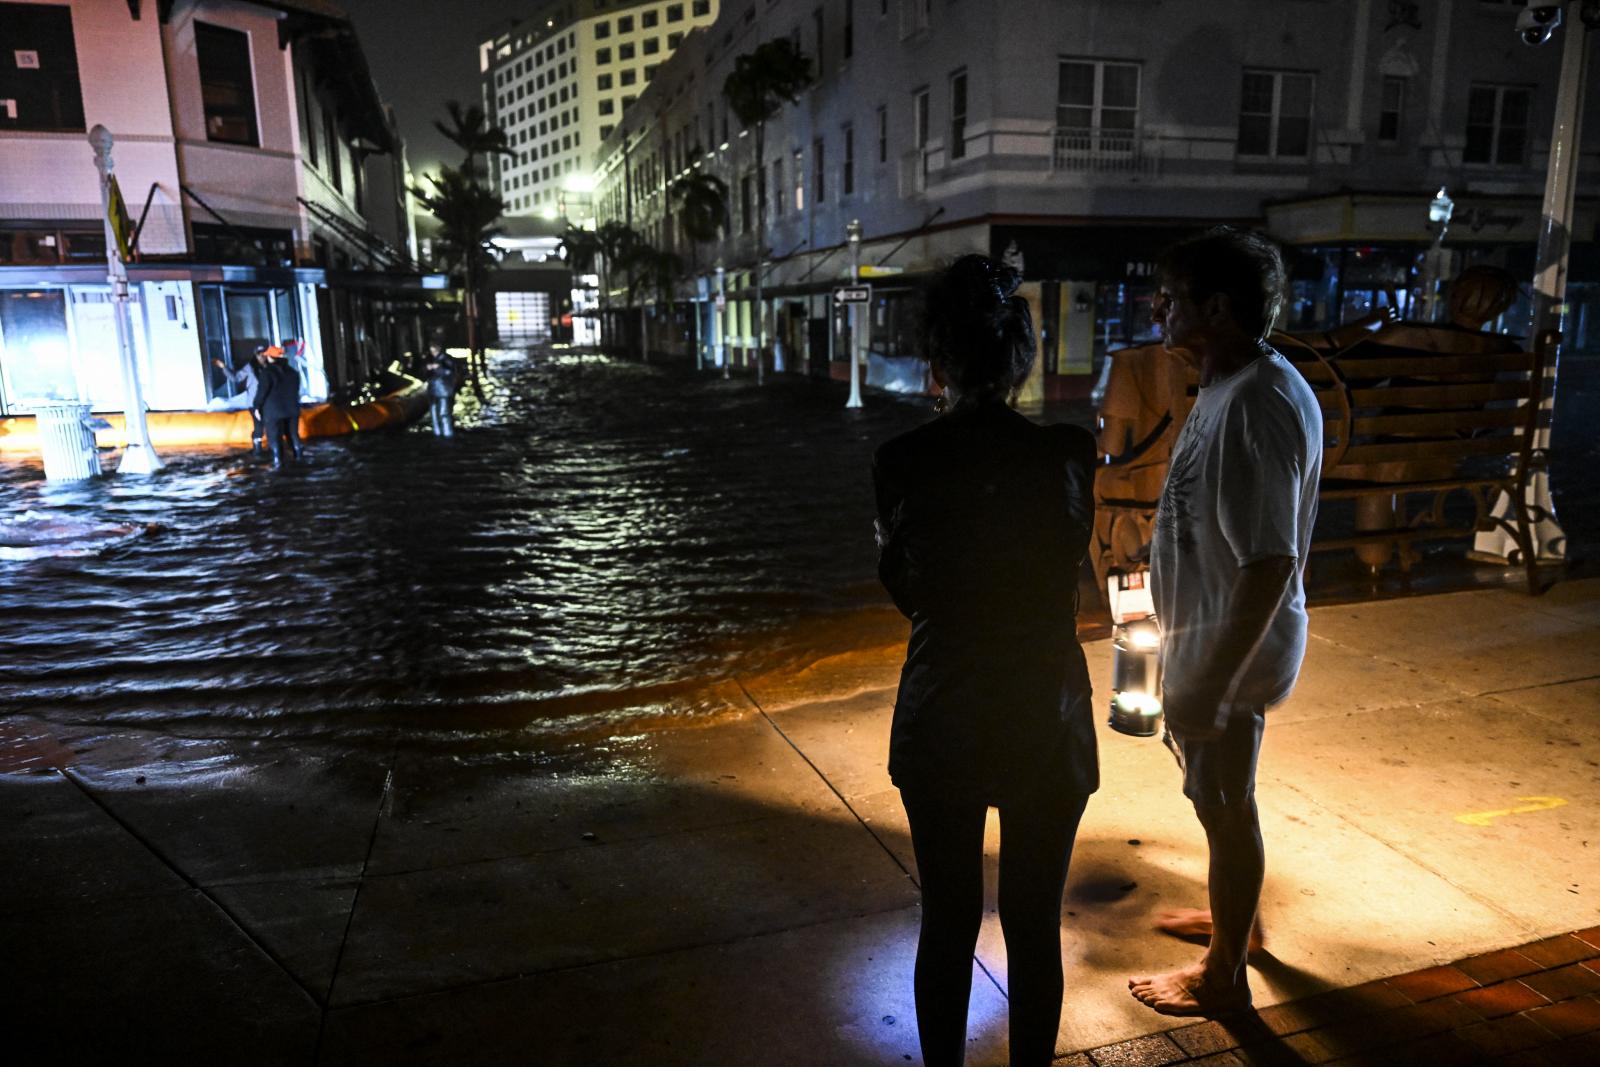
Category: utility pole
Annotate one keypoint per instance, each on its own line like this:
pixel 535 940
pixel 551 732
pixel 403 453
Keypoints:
pixel 1535 24
pixel 138 456
pixel 853 233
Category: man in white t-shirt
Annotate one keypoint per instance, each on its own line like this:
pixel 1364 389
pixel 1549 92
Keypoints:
pixel 1228 554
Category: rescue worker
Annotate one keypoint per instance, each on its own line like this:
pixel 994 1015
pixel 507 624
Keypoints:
pixel 278 398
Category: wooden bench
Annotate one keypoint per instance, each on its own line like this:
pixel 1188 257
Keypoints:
pixel 1430 412
pixel 1415 411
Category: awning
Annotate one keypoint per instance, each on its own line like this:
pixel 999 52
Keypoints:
pixel 1379 218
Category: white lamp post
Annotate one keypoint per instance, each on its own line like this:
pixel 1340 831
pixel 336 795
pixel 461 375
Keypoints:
pixel 1535 25
pixel 853 233
pixel 138 457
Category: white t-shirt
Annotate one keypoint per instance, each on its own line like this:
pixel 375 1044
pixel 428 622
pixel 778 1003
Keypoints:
pixel 1242 486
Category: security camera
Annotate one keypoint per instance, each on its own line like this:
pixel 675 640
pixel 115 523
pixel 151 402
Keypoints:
pixel 1536 22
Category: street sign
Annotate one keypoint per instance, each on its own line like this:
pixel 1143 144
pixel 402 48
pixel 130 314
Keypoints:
pixel 121 223
pixel 870 271
pixel 852 294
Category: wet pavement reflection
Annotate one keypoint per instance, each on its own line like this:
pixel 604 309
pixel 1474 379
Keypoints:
pixel 597 535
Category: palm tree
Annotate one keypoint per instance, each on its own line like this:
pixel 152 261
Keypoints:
pixel 582 250
pixel 468 214
pixel 701 201
pixel 470 131
pixel 617 244
pixel 776 73
pixel 653 272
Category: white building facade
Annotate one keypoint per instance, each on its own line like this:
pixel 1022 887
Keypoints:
pixel 559 82
pixel 264 177
pixel 1077 138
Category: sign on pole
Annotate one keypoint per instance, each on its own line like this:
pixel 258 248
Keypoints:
pixel 121 221
pixel 852 294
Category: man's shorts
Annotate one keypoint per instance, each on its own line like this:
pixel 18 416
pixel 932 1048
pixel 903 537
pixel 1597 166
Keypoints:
pixel 1221 771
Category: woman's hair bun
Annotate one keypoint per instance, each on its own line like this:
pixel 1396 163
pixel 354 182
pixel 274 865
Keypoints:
pixel 978 330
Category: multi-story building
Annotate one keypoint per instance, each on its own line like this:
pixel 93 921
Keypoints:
pixel 265 178
pixel 1078 138
pixel 560 80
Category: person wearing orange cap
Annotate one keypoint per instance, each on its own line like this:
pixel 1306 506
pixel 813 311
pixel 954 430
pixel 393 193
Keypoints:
pixel 278 398
pixel 249 376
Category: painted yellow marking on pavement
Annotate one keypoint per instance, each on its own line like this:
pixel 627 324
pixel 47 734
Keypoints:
pixel 1484 818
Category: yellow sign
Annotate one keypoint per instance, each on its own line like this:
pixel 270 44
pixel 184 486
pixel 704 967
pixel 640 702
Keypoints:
pixel 121 223
pixel 1484 818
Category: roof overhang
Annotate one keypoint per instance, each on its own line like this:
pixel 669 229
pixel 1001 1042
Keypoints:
pixel 1402 218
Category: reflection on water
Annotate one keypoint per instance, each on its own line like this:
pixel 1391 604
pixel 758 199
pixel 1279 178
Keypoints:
pixel 596 534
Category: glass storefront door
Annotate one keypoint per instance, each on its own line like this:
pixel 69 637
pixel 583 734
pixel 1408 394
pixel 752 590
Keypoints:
pixel 35 348
pixel 237 322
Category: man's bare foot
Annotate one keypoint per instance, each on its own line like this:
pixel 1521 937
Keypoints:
pixel 1194 925
pixel 1187 992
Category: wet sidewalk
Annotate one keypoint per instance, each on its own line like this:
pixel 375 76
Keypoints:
pixel 738 888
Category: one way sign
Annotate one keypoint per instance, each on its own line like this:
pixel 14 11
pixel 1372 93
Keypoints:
pixel 852 294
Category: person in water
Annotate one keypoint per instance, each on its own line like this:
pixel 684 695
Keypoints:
pixel 984 519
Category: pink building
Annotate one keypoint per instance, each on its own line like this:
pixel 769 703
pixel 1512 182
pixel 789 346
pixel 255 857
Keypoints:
pixel 263 172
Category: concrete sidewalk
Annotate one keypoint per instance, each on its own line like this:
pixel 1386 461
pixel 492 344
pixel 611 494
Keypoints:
pixel 738 888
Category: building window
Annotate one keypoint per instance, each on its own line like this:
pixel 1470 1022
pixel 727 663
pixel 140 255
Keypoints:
pixel 648 19
pixel 603 82
pixel 652 45
pixel 1497 124
pixel 39 87
pixel 608 106
pixel 958 115
pixel 605 131
pixel 1097 105
pixel 627 102
pixel 701 7
pixel 883 134
pixel 849 28
pixel 673 40
pixel 602 29
pixel 777 187
pixel 602 56
pixel 630 76
pixel 624 51
pixel 1391 108
pixel 650 71
pixel 821 46
pixel 330 137
pixel 747 211
pixel 674 12
pixel 799 180
pixel 625 24
pixel 914 16
pixel 1275 115
pixel 847 173
pixel 227 88
pixel 919 120
pixel 819 171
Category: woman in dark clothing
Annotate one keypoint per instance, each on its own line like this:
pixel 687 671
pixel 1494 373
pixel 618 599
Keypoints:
pixel 983 522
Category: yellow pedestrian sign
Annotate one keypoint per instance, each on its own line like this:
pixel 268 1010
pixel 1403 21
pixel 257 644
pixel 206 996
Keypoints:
pixel 121 222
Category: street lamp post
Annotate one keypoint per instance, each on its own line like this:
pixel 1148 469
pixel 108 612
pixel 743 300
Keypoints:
pixel 853 233
pixel 1535 25
pixel 138 456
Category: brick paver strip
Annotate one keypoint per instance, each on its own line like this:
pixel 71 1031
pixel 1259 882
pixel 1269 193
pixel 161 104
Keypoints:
pixel 1205 1039
pixel 1503 1036
pixel 1155 1050
pixel 1590 937
pixel 1433 982
pixel 1569 1018
pixel 1498 966
pixel 1556 951
pixel 1573 980
pixel 1502 998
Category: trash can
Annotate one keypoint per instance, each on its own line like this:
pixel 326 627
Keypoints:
pixel 67 442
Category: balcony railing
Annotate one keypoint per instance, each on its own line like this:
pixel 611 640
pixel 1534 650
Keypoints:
pixel 1093 150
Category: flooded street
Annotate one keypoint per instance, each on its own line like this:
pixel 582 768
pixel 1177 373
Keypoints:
pixel 597 535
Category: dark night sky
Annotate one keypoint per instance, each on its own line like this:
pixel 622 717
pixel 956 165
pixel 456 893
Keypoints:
pixel 424 52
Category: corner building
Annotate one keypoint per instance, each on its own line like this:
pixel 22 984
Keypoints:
pixel 265 178
pixel 1076 139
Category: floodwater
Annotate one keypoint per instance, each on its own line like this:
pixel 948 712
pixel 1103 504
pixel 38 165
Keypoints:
pixel 600 541
pixel 598 536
